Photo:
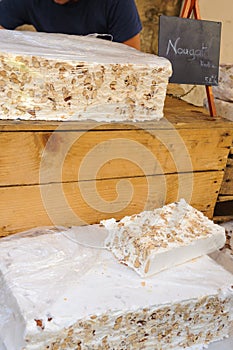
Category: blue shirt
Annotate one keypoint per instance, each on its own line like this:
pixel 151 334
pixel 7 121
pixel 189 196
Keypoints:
pixel 116 17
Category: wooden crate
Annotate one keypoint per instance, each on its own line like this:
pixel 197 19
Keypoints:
pixel 75 173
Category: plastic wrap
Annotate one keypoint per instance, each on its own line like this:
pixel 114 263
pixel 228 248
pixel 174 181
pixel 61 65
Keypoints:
pixel 58 293
pixel 37 264
pixel 50 255
pixel 47 76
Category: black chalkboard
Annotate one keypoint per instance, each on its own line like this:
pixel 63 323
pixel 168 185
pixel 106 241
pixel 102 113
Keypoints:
pixel 193 48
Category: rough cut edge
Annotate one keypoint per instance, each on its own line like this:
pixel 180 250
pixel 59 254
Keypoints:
pixel 139 324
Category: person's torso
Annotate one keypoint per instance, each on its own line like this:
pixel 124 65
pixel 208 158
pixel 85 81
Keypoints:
pixel 82 17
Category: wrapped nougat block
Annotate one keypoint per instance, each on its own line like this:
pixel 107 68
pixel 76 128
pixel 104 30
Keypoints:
pixel 57 294
pixel 156 240
pixel 47 76
pixel 224 89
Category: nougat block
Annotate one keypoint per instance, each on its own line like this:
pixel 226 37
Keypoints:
pixel 45 76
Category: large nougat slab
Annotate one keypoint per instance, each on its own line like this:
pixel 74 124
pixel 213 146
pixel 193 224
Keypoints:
pixel 152 241
pixel 224 109
pixel 66 77
pixel 223 93
pixel 224 89
pixel 58 294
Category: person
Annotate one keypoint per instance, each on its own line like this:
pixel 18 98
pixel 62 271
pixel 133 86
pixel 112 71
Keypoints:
pixel 118 18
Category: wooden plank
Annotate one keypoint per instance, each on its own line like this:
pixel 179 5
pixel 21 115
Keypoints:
pixel 221 219
pixel 178 114
pixel 227 184
pixel 24 207
pixel 45 157
pixel 225 198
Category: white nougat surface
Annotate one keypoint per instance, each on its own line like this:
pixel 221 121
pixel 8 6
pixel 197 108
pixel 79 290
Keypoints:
pixel 46 76
pixel 56 293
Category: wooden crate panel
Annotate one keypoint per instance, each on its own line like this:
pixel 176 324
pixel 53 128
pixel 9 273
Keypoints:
pixel 24 207
pixel 45 157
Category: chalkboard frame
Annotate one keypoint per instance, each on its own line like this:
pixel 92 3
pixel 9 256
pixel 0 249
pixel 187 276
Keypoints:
pixel 193 48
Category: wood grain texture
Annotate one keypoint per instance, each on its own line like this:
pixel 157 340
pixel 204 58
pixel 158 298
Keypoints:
pixel 225 198
pixel 24 207
pixel 45 157
pixel 221 219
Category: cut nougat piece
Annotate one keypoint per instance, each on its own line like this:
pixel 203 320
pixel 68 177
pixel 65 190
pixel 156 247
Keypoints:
pixel 156 240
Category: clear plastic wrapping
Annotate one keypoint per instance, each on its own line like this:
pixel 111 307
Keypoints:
pixel 37 263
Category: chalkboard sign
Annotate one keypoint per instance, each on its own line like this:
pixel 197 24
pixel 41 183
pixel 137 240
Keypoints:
pixel 193 48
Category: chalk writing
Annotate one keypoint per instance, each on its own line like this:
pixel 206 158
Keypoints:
pixel 213 79
pixel 207 64
pixel 193 53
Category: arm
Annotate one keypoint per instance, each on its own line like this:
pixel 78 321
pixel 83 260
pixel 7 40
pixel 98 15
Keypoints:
pixel 133 42
pixel 1 27
pixel 124 22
